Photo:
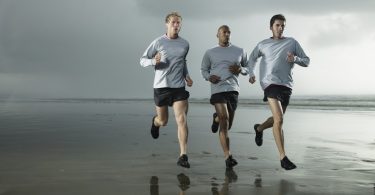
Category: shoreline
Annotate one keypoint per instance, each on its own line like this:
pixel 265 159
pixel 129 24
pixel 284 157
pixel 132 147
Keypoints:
pixel 342 103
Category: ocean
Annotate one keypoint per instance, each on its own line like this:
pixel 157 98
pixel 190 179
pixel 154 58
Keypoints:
pixel 354 103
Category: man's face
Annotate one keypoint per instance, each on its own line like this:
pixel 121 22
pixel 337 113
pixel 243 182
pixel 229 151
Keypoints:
pixel 278 29
pixel 173 25
pixel 224 35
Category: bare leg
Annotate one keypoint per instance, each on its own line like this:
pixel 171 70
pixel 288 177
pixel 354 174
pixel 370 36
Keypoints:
pixel 278 116
pixel 231 117
pixel 265 125
pixel 180 110
pixel 268 123
pixel 223 115
pixel 161 118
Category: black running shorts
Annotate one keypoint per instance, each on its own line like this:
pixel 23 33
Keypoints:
pixel 230 97
pixel 167 96
pixel 278 92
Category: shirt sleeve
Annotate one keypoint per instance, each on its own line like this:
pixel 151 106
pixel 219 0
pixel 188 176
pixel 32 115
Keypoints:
pixel 244 64
pixel 252 60
pixel 300 57
pixel 205 67
pixel 186 71
pixel 147 57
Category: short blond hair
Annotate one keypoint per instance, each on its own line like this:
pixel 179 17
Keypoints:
pixel 172 14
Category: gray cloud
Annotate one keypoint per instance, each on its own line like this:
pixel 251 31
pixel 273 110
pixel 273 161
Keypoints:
pixel 224 9
pixel 52 36
pixel 82 48
pixel 342 30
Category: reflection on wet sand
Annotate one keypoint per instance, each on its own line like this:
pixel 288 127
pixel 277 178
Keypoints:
pixel 183 181
pixel 154 185
pixel 284 186
pixel 258 181
pixel 230 176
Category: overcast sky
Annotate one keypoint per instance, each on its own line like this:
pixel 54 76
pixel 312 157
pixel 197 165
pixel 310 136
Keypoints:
pixel 91 48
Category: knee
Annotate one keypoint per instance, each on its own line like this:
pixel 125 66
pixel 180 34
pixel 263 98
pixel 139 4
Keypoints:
pixel 181 119
pixel 224 121
pixel 278 120
pixel 224 132
pixel 223 117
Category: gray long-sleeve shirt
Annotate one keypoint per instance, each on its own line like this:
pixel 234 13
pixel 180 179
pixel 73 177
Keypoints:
pixel 274 67
pixel 216 61
pixel 172 70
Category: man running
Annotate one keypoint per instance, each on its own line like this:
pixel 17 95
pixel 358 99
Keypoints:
pixel 167 54
pixel 221 66
pixel 279 54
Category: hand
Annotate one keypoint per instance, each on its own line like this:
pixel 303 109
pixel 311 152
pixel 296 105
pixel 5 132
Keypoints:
pixel 189 81
pixel 235 69
pixel 252 80
pixel 157 58
pixel 214 79
pixel 290 57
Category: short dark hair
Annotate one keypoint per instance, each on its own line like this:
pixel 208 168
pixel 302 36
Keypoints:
pixel 277 17
pixel 172 14
pixel 223 26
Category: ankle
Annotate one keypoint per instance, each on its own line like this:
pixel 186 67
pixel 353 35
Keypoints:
pixel 156 121
pixel 259 128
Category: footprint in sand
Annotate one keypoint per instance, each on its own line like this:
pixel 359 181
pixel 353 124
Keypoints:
pixel 253 158
pixel 368 160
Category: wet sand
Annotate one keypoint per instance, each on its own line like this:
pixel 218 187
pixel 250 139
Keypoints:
pixel 78 147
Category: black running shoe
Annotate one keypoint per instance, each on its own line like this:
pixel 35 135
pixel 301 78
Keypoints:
pixel 215 125
pixel 230 162
pixel 183 161
pixel 287 164
pixel 154 129
pixel 258 135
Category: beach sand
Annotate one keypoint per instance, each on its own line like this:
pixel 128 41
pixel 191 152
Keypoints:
pixel 104 147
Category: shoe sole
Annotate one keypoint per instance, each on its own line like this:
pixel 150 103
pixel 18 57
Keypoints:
pixel 184 166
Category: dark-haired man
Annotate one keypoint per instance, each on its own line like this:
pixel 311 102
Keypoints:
pixel 279 54
pixel 221 66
